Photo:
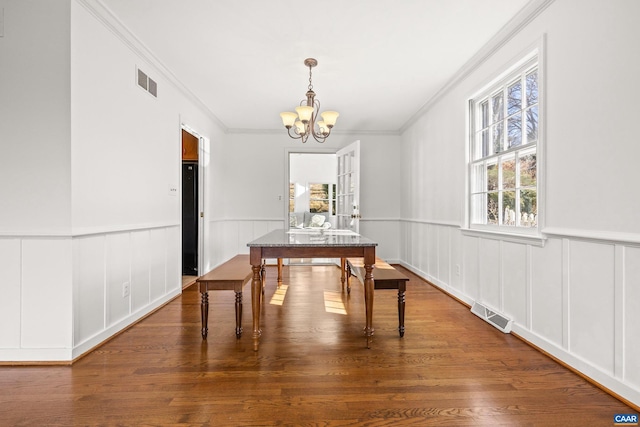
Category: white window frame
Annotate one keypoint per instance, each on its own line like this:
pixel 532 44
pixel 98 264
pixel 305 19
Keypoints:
pixel 533 58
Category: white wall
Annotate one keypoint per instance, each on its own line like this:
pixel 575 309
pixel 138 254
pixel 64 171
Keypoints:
pixel 252 207
pixel 573 296
pixel 35 183
pixel 90 158
pixel 35 129
pixel 126 150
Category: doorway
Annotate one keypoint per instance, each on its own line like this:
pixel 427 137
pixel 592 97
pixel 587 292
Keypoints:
pixel 190 207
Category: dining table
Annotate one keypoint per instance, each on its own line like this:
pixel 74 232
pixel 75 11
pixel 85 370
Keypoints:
pixel 310 243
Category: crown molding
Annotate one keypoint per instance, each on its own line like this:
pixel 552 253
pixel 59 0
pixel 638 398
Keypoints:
pixel 527 14
pixel 107 18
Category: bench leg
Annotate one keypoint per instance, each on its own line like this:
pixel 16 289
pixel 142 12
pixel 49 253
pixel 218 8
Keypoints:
pixel 204 312
pixel 238 314
pixel 401 292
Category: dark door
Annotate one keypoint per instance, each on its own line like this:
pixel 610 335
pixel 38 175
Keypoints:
pixel 189 219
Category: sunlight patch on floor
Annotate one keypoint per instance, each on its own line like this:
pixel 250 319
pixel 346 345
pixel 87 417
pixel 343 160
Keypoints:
pixel 333 303
pixel 279 295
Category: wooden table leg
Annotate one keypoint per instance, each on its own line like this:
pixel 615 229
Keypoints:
pixel 343 270
pixel 401 292
pixel 238 314
pixel 369 261
pixel 204 311
pixel 256 294
pixel 279 272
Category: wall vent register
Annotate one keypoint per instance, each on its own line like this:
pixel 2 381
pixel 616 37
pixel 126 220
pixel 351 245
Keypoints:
pixel 147 83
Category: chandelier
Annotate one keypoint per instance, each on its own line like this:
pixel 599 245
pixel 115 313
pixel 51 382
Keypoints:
pixel 303 121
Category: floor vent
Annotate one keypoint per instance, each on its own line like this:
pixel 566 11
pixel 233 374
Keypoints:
pixel 491 317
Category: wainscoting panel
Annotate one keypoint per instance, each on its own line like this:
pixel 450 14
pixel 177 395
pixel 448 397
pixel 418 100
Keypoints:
pixel 433 251
pixel 443 249
pixel 118 268
pixel 147 259
pixel 173 281
pixel 89 300
pixel 10 292
pixel 546 302
pixel 591 303
pixel 158 252
pixel 46 293
pixel 630 318
pixel 35 298
pixel 490 278
pixel 471 268
pixel 515 281
pixel 140 269
pixel 574 297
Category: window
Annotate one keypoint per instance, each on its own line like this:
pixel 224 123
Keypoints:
pixel 322 198
pixel 317 198
pixel 504 163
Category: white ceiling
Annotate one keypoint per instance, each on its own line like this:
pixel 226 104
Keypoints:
pixel 379 61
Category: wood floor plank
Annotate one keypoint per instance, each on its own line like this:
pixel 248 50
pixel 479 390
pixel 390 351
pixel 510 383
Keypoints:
pixel 312 368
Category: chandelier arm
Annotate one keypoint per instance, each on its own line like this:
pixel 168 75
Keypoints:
pixel 319 138
pixel 295 135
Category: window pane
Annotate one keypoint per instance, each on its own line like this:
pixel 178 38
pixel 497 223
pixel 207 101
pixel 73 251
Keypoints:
pixel 319 191
pixel 532 88
pixel 528 208
pixel 498 137
pixel 319 197
pixel 515 130
pixel 479 178
pixel 532 124
pixel 509 174
pixel 478 203
pixel 481 146
pixel 497 107
pixel 492 208
pixel 514 98
pixel 528 170
pixel 333 200
pixel 484 114
pixel 492 177
pixel 509 203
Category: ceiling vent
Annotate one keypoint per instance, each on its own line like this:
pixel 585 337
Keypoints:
pixel 147 83
pixel 498 320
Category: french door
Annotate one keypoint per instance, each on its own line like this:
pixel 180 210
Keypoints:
pixel 348 188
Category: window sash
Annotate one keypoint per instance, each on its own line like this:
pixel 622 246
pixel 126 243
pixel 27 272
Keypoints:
pixel 503 187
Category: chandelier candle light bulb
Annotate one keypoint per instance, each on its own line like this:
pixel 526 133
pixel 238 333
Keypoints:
pixel 303 121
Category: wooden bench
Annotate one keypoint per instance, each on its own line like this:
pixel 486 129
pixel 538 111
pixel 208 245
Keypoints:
pixel 231 275
pixel 384 277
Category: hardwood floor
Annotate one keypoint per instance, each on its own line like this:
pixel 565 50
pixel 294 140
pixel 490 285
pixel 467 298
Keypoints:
pixel 312 368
